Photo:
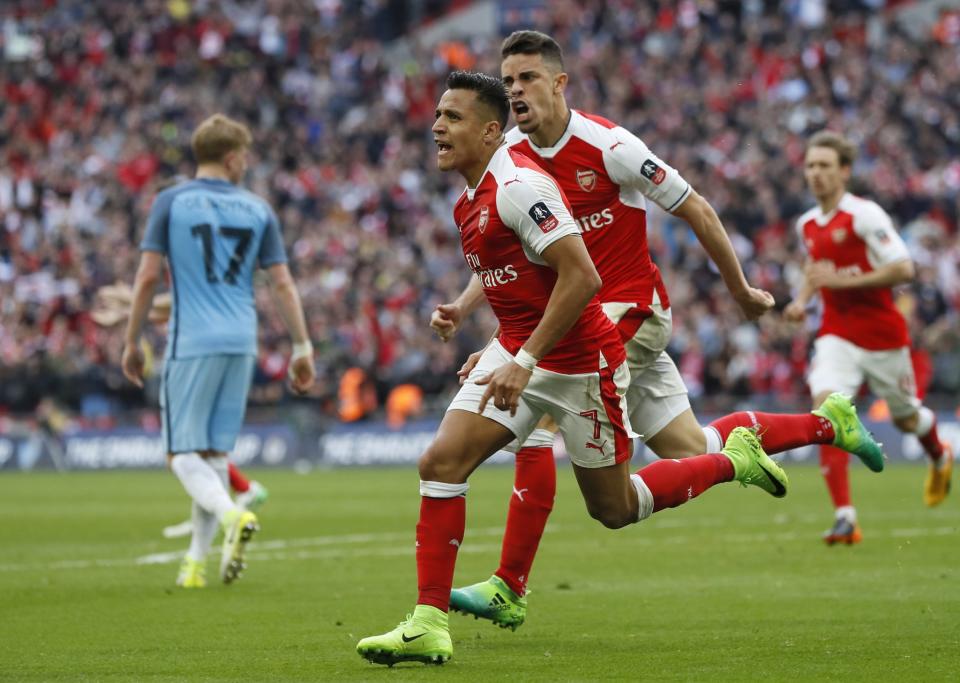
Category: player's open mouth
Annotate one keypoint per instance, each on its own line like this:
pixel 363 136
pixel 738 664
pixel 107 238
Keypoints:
pixel 520 110
pixel 442 147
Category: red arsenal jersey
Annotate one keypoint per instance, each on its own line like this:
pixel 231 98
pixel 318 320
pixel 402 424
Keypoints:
pixel 607 173
pixel 857 237
pixel 505 224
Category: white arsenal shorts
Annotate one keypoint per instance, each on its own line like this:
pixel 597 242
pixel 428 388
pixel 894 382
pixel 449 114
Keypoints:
pixel 590 409
pixel 839 365
pixel 657 393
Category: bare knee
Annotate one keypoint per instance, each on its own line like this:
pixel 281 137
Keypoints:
pixel 614 519
pixel 444 464
pixel 435 466
pixel 613 516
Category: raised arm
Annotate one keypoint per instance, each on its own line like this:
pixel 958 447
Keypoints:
pixel 631 164
pixel 701 217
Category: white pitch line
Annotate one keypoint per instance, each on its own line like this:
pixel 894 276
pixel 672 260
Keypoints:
pixel 346 539
pixel 255 547
pixel 334 553
pixel 396 544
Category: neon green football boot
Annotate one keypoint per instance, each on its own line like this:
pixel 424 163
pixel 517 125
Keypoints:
pixel 751 465
pixel 849 432
pixel 193 574
pixel 422 637
pixel 491 599
pixel 238 528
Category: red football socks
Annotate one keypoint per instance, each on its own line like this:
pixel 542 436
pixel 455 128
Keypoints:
pixel 834 465
pixel 674 482
pixel 778 432
pixel 439 534
pixel 931 442
pixel 534 488
pixel 238 482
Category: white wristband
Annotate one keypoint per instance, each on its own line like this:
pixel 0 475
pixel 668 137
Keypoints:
pixel 302 350
pixel 525 360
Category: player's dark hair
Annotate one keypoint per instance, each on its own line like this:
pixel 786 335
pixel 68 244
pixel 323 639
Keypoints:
pixel 846 150
pixel 533 43
pixel 490 91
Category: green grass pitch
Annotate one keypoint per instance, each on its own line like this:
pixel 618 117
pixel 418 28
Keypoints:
pixel 734 586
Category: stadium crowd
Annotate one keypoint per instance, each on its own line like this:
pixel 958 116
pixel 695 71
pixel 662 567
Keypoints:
pixel 99 100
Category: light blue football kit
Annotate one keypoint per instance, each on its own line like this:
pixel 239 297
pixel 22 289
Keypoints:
pixel 213 234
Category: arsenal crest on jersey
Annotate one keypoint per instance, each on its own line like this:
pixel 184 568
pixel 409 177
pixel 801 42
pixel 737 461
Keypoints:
pixel 484 218
pixel 586 179
pixel 838 235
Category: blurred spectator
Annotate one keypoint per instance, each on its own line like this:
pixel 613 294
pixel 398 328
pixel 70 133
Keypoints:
pixel 404 402
pixel 100 98
pixel 357 397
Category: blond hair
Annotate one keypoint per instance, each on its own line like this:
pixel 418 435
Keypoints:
pixel 846 150
pixel 216 137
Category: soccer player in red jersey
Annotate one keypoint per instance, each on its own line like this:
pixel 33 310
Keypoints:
pixel 855 258
pixel 608 174
pixel 556 353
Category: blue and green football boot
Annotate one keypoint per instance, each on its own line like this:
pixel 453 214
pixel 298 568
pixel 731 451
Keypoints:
pixel 850 434
pixel 491 599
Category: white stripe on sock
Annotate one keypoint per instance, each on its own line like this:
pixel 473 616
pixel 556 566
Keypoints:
pixel 712 436
pixel 644 497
